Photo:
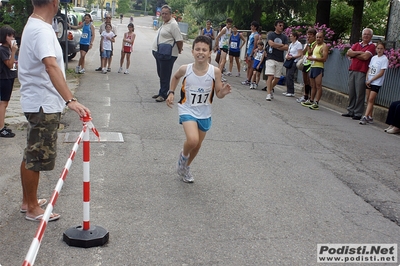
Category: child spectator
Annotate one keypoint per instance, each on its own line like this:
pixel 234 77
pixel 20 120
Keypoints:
pixel 107 37
pixel 374 81
pixel 7 74
pixel 259 58
pixel 127 47
pixel 235 45
pixel 201 82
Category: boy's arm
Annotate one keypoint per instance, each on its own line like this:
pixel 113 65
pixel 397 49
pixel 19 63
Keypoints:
pixel 174 82
pixel 217 39
pixel 221 89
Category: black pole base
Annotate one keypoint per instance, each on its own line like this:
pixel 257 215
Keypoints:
pixel 94 237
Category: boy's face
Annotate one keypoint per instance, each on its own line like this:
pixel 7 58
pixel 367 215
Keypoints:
pixel 208 24
pixel 228 25
pixel 260 46
pixel 201 51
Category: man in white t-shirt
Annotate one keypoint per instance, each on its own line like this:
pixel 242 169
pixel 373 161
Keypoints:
pixel 44 95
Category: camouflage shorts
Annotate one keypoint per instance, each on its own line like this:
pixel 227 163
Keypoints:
pixel 41 149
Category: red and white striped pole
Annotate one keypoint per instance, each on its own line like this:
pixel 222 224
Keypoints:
pixel 35 245
pixel 86 177
pixel 86 236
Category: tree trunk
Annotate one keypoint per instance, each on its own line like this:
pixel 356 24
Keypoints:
pixel 323 12
pixel 357 20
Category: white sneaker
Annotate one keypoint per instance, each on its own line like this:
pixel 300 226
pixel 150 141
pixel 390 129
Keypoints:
pixel 289 94
pixel 77 68
pixel 104 71
pixel 268 97
pixel 120 70
pixel 223 79
pixel 82 71
pixel 126 71
pixel 252 86
pixel 284 93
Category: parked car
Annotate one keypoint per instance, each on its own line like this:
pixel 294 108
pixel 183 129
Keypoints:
pixel 95 14
pixel 72 36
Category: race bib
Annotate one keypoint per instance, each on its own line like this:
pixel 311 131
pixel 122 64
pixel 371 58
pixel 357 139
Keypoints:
pixel 233 45
pixel 85 35
pixel 199 96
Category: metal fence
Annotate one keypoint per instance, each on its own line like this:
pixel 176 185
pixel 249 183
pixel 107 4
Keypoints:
pixel 336 76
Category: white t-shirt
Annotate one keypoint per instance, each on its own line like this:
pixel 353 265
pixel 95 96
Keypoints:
pixel 106 42
pixel 376 65
pixel 168 32
pixel 39 42
pixel 294 49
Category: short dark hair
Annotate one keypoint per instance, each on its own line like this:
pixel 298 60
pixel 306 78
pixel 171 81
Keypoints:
pixel 255 24
pixel 204 39
pixel 6 31
pixel 295 34
pixel 312 31
pixel 229 20
pixel 260 43
pixel 278 21
pixel 131 25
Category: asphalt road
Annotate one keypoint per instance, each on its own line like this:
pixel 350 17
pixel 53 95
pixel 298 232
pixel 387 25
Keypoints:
pixel 272 180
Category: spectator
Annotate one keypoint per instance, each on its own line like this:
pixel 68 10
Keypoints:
pixel 121 16
pixel 318 57
pixel 86 41
pixel 168 33
pixel 393 118
pixel 374 81
pixel 259 56
pixel 222 43
pixel 44 95
pixel 101 29
pixel 107 38
pixel 251 47
pixel 218 56
pixel 311 33
pixel 235 45
pixel 360 55
pixel 7 74
pixel 277 44
pixel 295 51
pixel 208 31
pixel 127 48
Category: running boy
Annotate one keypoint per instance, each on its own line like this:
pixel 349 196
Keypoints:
pixel 127 45
pixel 201 81
pixel 107 37
pixel 258 65
pixel 374 80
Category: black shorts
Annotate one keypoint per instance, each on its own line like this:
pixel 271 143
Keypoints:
pixel 224 50
pixel 84 47
pixel 234 54
pixel 374 88
pixel 6 87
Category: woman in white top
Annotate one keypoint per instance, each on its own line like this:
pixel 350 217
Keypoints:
pixel 295 51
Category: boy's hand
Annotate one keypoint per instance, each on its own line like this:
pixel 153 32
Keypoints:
pixel 226 89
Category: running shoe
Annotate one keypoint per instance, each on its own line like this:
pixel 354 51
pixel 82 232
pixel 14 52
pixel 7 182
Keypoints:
pixel 126 71
pixel 82 71
pixel 181 166
pixel 120 70
pixel 314 106
pixel 307 103
pixel 268 98
pixel 187 177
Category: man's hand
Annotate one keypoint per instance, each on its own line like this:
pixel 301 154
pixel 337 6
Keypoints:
pixel 80 109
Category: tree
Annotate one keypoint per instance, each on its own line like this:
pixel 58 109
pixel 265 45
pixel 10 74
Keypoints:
pixel 323 12
pixel 124 6
pixel 17 18
pixel 358 6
